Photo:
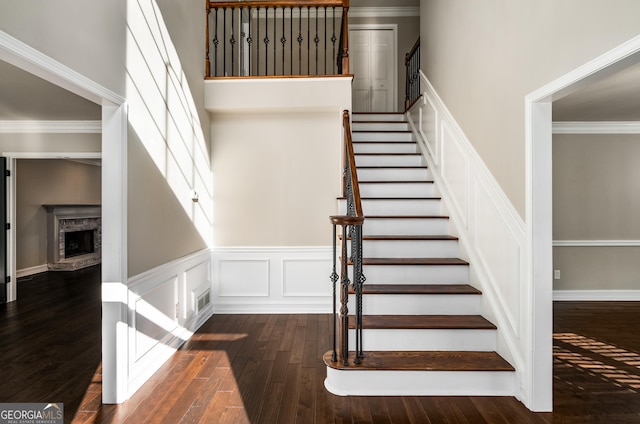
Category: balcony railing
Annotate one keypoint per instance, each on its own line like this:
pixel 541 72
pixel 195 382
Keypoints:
pixel 412 65
pixel 277 38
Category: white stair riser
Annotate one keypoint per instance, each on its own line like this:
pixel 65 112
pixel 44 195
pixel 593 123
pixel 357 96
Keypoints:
pixel 415 274
pixel 389 160
pixel 427 339
pixel 397 190
pixel 420 383
pixel 394 207
pixel 381 147
pixel 410 248
pixel 372 117
pixel 418 304
pixel 399 226
pixel 393 174
pixel 382 136
pixel 380 126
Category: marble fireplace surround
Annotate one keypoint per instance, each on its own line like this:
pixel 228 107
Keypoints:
pixel 64 218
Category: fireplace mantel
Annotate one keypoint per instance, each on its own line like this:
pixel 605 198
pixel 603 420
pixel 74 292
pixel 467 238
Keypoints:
pixel 67 218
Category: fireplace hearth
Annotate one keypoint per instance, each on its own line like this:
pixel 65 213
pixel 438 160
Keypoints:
pixel 74 236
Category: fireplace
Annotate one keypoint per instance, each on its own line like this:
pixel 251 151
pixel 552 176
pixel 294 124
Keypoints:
pixel 74 236
pixel 78 243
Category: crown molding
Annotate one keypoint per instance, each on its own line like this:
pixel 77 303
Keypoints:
pixel 384 12
pixel 605 127
pixel 51 127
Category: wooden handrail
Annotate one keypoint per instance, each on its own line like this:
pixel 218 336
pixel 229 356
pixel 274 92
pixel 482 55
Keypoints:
pixel 412 79
pixel 415 47
pixel 357 202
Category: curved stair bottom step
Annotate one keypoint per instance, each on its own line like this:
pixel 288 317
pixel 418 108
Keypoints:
pixel 492 377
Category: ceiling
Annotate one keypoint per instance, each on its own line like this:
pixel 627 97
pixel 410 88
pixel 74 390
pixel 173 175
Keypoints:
pixel 24 96
pixel 616 98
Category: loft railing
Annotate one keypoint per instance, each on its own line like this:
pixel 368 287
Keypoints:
pixel 412 65
pixel 276 38
pixel 351 225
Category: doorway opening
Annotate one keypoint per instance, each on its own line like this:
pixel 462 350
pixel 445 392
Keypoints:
pixel 373 58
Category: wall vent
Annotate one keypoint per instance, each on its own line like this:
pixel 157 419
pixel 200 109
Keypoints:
pixel 203 300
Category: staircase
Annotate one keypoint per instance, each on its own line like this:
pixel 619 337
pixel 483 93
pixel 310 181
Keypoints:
pixel 423 330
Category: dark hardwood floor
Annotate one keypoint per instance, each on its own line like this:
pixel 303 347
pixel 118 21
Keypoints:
pixel 269 369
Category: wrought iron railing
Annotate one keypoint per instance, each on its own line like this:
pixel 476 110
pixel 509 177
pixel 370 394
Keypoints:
pixel 277 38
pixel 351 225
pixel 412 65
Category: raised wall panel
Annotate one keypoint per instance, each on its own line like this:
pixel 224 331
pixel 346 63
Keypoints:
pixel 197 281
pixel 455 172
pixel 154 316
pixel 306 277
pixel 243 277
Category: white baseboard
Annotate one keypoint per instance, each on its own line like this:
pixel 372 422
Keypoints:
pixel 25 272
pixel 596 295
pixel 272 280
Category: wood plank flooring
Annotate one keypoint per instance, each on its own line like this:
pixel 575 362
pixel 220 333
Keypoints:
pixel 269 368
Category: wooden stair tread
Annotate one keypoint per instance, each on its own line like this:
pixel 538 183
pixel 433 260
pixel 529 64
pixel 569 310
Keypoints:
pixel 414 261
pixel 424 361
pixel 407 217
pixel 402 198
pixel 435 289
pixel 407 237
pixel 390 141
pixel 397 182
pixel 381 131
pixel 392 167
pixel 377 122
pixel 424 322
pixel 388 154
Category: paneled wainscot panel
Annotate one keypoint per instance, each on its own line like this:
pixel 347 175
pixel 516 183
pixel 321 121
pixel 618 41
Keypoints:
pixel 258 280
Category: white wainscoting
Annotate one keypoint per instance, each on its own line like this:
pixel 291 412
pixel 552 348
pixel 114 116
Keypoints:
pixel 492 234
pixel 256 280
pixel 163 312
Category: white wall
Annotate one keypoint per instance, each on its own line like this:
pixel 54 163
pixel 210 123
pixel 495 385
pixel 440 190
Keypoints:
pixel 277 167
pixel 483 58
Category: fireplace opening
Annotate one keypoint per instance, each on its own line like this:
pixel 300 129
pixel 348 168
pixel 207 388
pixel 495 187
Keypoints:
pixel 78 243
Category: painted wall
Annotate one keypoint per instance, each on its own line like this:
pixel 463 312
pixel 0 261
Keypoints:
pixel 31 142
pixel 169 154
pixel 484 57
pixel 48 181
pixel 594 201
pixel 276 181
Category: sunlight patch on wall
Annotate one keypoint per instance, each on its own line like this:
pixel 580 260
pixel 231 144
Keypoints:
pixel 163 114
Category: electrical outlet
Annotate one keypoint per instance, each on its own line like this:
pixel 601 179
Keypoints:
pixel 556 274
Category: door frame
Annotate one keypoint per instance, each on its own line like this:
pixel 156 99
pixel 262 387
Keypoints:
pixel 539 210
pixel 394 29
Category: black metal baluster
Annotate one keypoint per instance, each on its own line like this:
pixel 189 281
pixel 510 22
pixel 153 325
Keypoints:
pixel 249 41
pixel 232 42
pixel 300 39
pixel 325 40
pixel 258 43
pixel 215 47
pixel 291 38
pixel 283 41
pixel 334 278
pixel 308 40
pixel 224 43
pixel 316 40
pixel 266 40
pixel 333 42
pixel 344 310
pixel 275 40
pixel 242 37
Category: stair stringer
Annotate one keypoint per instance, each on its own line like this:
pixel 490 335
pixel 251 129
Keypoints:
pixel 511 338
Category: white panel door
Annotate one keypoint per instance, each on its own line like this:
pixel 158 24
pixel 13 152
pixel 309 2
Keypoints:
pixel 372 61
